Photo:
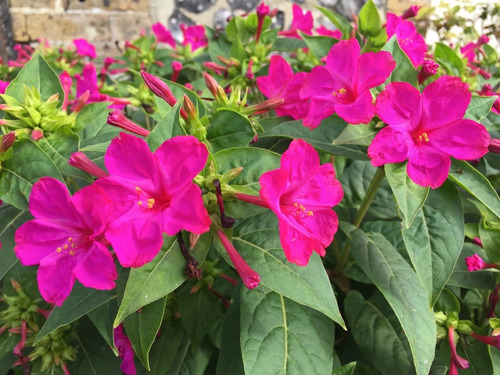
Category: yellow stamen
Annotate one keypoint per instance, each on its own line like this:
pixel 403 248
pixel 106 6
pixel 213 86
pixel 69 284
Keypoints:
pixel 151 202
pixel 138 190
pixel 65 246
pixel 71 252
pixel 310 213
pixel 59 249
pixel 342 90
pixel 139 203
pixel 70 239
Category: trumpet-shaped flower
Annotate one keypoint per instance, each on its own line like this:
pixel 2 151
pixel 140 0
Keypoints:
pixel 343 84
pixel 282 83
pixel 410 41
pixel 194 36
pixel 426 129
pixel 66 238
pixel 301 193
pixel 84 48
pixel 162 34
pixel 153 193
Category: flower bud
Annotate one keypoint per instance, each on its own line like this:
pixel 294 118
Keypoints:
pixel 211 83
pixel 176 70
pixel 36 134
pixel 159 88
pixel 7 141
pixel 81 161
pixel 116 118
pixel 411 12
pixel 429 68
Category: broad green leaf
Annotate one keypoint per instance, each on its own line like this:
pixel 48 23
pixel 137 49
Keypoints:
pixel 7 343
pixel 218 45
pixel 476 184
pixel 447 302
pixel 229 129
pixel 230 361
pixel 370 22
pixel 11 218
pixel 375 335
pixel 20 172
pixel 340 22
pixel 319 45
pixel 142 327
pixel 361 135
pixel 479 107
pixel 461 277
pixel 36 73
pixel 436 238
pixel 448 59
pixel 279 336
pixel 404 71
pixel 409 196
pixel 345 370
pixel 257 240
pixel 288 44
pixel 169 340
pixel 194 361
pixel 320 137
pixel 81 301
pixel 165 273
pixel 93 128
pixel 168 127
pixel 198 311
pixel 399 284
pixel 390 229
pixel 102 317
pixel 491 241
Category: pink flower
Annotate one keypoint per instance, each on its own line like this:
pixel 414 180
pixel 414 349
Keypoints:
pixel 66 238
pixel 162 34
pixel 487 90
pixel 153 193
pixel 125 351
pixel 118 119
pixel 476 263
pixel 469 50
pixel 410 41
pixel 84 48
pixel 194 36
pixel 426 129
pixel 81 161
pixel 411 12
pixel 489 340
pixel 343 84
pixel 300 22
pixel 428 69
pixel 3 86
pixel 66 83
pixel 322 30
pixel 250 278
pixel 283 83
pixel 456 362
pixel 301 193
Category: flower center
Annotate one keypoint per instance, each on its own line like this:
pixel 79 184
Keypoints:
pixel 148 203
pixel 299 211
pixel 72 247
pixel 340 91
pixel 422 138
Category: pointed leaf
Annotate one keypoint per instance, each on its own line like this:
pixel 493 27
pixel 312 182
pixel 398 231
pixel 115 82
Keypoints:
pixel 229 129
pixel 279 336
pixel 479 107
pixel 102 317
pixel 404 71
pixel 319 45
pixel 168 127
pixel 166 346
pixel 400 286
pixel 10 219
pixel 361 135
pixel 340 22
pixel 448 59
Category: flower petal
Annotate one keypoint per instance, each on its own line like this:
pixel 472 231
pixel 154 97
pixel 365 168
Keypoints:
pixel 342 60
pixel 96 268
pixel 361 111
pixel 318 82
pixel 373 69
pixel 319 109
pixel 390 145
pixel 301 161
pixel 273 185
pixel 428 167
pixel 297 246
pixel 322 226
pixel 55 277
pixel 399 105
pixel 280 73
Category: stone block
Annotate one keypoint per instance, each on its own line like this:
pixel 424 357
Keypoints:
pixel 19 27
pixel 141 5
pixel 128 26
pixel 32 3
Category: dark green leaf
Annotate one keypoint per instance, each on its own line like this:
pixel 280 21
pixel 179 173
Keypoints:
pixel 340 22
pixel 166 346
pixel 490 239
pixel 361 135
pixel 404 71
pixel 11 218
pixel 288 44
pixel 168 127
pixel 345 370
pixel 279 336
pixel 102 317
pixel 229 129
pixel 400 286
pixel 319 45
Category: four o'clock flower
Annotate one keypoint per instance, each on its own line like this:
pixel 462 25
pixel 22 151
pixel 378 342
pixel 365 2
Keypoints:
pixel 476 263
pixel 410 41
pixel 456 362
pixel 162 34
pixel 66 238
pixel 153 194
pixel 426 129
pixel 194 36
pixel 343 84
pixel 300 22
pixel 282 83
pixel 84 48
pixel 489 340
pixel 125 351
pixel 301 193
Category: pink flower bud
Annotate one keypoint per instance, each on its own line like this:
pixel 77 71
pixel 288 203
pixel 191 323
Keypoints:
pixel 483 39
pixel 411 12
pixel 7 141
pixel 490 340
pixel 429 68
pixel 36 134
pixel 81 101
pixel 159 88
pixel 211 83
pixel 176 70
pixel 494 146
pixel 116 118
pixel 262 10
pixel 476 263
pixel 455 359
pixel 81 161
pixel 249 73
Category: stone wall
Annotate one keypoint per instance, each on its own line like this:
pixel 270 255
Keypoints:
pixel 103 22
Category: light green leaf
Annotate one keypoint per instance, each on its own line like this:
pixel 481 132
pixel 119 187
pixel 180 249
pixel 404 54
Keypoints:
pixel 319 45
pixel 340 22
pixel 404 71
pixel 409 196
pixel 361 135
pixel 476 184
pixel 448 59
pixel 169 126
pixel 400 286
pixel 479 107
pixel 279 336
pixel 491 241
pixel 370 22
pixel 229 129
pixel 288 44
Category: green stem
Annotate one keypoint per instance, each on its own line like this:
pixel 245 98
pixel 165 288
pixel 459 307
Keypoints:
pixel 362 210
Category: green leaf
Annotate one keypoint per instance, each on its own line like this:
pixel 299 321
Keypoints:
pixel 288 44
pixel 340 22
pixel 491 241
pixel 279 336
pixel 448 59
pixel 169 126
pixel 218 45
pixel 345 370
pixel 461 277
pixel 193 362
pixel 19 173
pixel 257 240
pixel 479 107
pixel 11 218
pixel 400 286
pixel 198 311
pixel 370 23
pixel 93 128
pixel 319 45
pixel 102 317
pixel 36 73
pixel 164 350
pixel 320 137
pixel 142 327
pixel 404 71
pixel 229 129
pixel 436 238
pixel 476 184
pixel 375 335
pixel 361 135
pixel 409 196
pixel 81 301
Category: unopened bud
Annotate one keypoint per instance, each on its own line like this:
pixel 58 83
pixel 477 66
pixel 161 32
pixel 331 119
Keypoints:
pixel 265 106
pixel 494 146
pixel 36 134
pixel 193 240
pixel 116 118
pixel 176 70
pixel 211 83
pixel 81 101
pixel 429 68
pixel 81 161
pixel 411 12
pixel 262 10
pixel 189 107
pixel 7 141
pixel 159 88
pixel 16 286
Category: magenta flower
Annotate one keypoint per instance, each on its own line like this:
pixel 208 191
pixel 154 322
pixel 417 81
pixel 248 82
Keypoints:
pixel 84 48
pixel 300 22
pixel 456 362
pixel 282 83
pixel 487 90
pixel 343 84
pixel 322 30
pixel 125 351
pixel 3 86
pixel 66 238
pixel 194 36
pixel 301 193
pixel 426 129
pixel 469 50
pixel 118 119
pixel 162 34
pixel 489 340
pixel 153 193
pixel 476 263
pixel 410 41
pixel 67 84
